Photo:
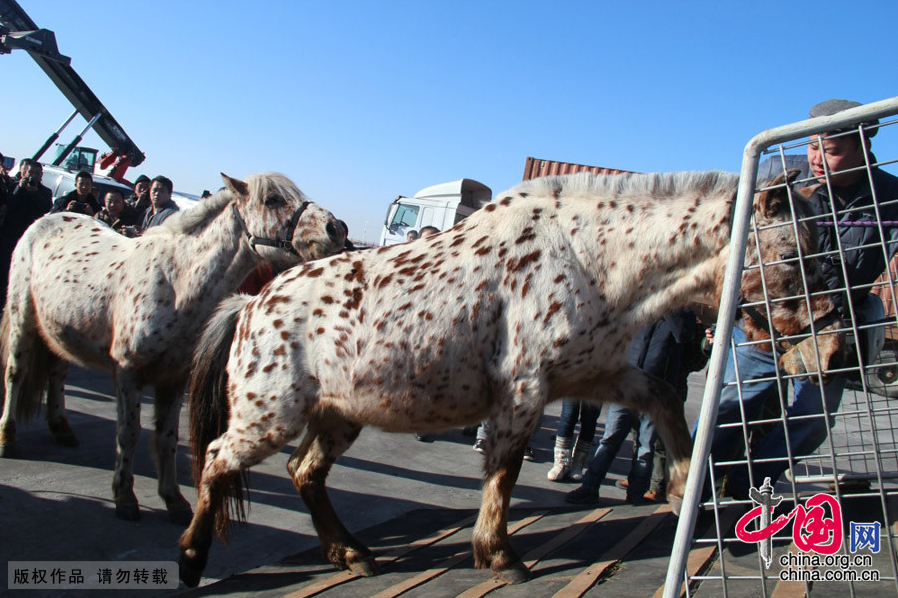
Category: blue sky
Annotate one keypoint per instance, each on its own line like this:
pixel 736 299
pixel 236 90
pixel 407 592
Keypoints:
pixel 360 101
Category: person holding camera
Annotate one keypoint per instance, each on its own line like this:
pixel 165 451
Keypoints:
pixel 28 201
pixel 81 200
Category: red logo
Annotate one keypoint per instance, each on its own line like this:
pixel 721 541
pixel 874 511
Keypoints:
pixel 816 528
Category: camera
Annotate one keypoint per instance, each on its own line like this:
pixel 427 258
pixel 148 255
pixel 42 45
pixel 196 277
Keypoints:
pixel 31 181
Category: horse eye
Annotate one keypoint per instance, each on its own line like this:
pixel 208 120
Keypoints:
pixel 788 256
pixel 274 201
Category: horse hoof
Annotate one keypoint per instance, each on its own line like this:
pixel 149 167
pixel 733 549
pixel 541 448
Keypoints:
pixel 179 511
pixel 514 573
pixel 180 515
pixel 189 570
pixel 127 512
pixel 67 439
pixel 7 451
pixel 676 503
pixel 366 567
pixel 63 433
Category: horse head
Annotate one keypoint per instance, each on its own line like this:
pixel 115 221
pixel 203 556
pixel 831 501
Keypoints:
pixel 788 290
pixel 281 224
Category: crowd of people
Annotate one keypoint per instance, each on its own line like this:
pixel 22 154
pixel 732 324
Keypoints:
pixel 663 348
pixel 24 198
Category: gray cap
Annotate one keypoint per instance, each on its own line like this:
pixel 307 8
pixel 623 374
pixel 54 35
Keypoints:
pixel 830 107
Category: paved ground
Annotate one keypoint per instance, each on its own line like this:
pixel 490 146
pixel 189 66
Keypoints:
pixel 55 502
pixel 55 505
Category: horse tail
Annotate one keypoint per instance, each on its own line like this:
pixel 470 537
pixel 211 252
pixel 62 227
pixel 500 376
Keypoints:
pixel 32 371
pixel 207 403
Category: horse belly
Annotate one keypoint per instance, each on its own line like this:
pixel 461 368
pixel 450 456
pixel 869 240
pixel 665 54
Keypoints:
pixel 395 400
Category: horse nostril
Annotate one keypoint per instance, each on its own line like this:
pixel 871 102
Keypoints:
pixel 333 232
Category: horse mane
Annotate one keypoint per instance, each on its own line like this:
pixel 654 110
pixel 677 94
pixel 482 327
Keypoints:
pixel 654 185
pixel 190 221
pixel 273 183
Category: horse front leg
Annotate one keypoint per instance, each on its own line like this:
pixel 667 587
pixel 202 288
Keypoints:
pixel 507 437
pixel 227 458
pixel 167 409
pixel 127 432
pixel 329 435
pixel 57 370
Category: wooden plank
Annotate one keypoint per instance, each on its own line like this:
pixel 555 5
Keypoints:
pixel 534 556
pixel 425 576
pixel 389 556
pixel 581 583
pixel 699 558
pixel 791 589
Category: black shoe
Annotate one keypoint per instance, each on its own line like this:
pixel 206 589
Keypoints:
pixel 582 496
pixel 421 437
pixel 528 454
pixel 478 445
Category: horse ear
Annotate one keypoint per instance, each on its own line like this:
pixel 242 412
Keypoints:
pixel 237 187
pixel 770 202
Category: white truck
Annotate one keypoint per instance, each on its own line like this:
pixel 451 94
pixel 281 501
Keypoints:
pixel 440 205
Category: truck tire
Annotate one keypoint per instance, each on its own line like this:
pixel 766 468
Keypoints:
pixel 884 380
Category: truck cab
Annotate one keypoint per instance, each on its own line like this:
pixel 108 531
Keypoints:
pixel 442 206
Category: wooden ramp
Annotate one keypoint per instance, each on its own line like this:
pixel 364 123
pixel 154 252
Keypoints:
pixel 610 550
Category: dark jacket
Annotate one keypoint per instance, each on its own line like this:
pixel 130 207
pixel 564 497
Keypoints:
pixel 158 217
pixel 61 204
pixel 23 207
pixel 127 217
pixel 864 265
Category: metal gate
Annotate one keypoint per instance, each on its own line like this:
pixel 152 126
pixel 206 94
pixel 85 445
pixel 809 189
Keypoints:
pixel 848 487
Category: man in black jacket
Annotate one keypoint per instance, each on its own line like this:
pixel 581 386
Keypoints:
pixel 163 205
pixel 28 201
pixel 844 201
pixel 81 200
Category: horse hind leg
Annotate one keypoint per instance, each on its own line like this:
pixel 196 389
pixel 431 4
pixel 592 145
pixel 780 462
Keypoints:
pixel 57 370
pixel 167 408
pixel 25 360
pixel 329 435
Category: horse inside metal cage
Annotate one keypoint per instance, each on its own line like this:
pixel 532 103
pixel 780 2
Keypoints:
pixel 789 495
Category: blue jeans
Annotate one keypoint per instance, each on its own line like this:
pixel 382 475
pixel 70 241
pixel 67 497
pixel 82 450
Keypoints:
pixel 805 435
pixel 586 412
pixel 618 424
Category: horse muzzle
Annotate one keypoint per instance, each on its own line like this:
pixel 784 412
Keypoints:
pixel 817 355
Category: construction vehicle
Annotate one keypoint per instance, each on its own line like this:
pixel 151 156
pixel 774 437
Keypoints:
pixel 19 32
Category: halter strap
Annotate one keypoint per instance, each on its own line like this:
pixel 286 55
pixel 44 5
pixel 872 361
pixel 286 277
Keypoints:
pixel 783 345
pixel 286 243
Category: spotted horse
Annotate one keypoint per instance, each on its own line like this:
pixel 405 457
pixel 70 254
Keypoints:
pixel 533 298
pixel 80 292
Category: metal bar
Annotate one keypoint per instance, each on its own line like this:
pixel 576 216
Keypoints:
pixel 726 317
pixel 68 149
pixel 37 155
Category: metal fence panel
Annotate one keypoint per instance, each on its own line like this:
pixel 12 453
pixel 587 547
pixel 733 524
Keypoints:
pixel 856 465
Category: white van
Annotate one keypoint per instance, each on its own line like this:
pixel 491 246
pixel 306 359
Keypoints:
pixel 441 206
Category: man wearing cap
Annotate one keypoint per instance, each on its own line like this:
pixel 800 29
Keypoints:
pixel 838 161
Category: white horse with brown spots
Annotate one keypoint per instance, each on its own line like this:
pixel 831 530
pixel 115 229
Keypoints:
pixel 531 299
pixel 80 292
